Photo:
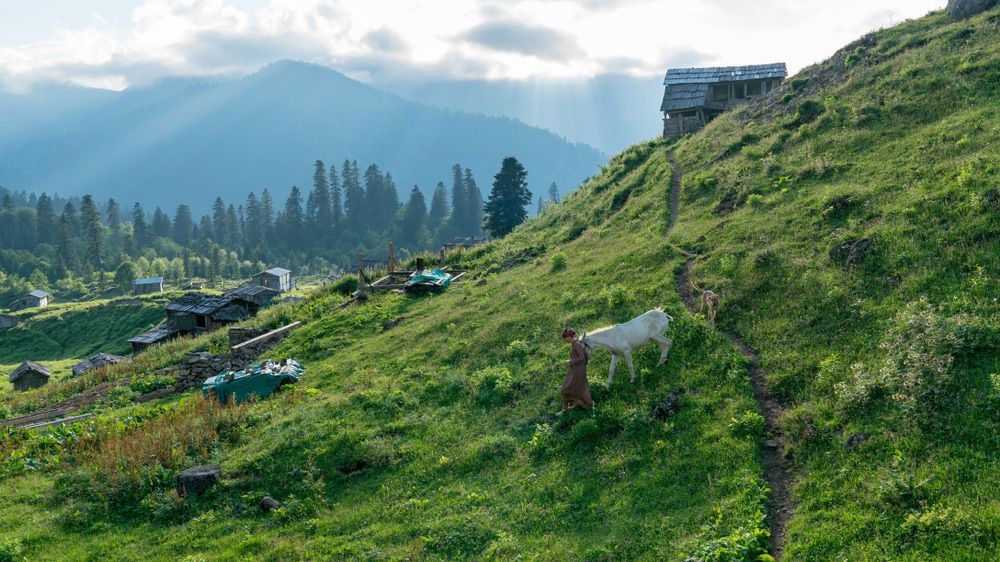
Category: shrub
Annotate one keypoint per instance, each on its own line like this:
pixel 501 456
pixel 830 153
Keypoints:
pixel 543 438
pixel 149 383
pixel 750 424
pixel 518 349
pixel 119 396
pixel 345 285
pixel 495 385
pixel 916 370
pixel 10 550
pixel 558 262
pixel 755 200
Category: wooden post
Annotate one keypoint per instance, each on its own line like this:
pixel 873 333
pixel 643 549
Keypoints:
pixel 361 272
pixel 441 260
pixel 420 264
pixel 392 258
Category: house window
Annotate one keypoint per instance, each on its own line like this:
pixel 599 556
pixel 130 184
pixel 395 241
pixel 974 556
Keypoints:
pixel 720 92
pixel 754 88
pixel 740 90
pixel 201 321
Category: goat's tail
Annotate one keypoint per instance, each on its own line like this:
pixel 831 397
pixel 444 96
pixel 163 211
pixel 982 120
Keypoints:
pixel 693 286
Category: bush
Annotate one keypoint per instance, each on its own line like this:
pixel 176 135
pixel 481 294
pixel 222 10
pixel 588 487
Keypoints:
pixel 10 550
pixel 149 383
pixel 345 285
pixel 750 424
pixel 558 262
pixel 119 396
pixel 495 385
pixel 916 370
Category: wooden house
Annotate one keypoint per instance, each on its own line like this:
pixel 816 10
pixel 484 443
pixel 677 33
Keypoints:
pixel 277 278
pixel 152 337
pixel 34 299
pixel 7 322
pixel 147 285
pixel 694 96
pixel 29 375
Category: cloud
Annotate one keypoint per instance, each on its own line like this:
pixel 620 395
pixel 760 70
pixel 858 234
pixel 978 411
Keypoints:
pixel 526 39
pixel 385 40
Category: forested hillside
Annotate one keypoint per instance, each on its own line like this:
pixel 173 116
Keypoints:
pixel 849 221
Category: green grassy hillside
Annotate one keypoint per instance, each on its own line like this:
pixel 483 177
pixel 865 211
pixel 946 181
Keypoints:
pixel 61 335
pixel 851 225
pixel 853 229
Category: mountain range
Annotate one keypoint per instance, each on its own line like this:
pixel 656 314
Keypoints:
pixel 190 140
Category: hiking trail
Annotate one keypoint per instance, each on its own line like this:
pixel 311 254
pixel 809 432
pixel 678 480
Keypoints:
pixel 776 469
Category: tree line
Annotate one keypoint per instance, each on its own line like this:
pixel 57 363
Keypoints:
pixel 48 242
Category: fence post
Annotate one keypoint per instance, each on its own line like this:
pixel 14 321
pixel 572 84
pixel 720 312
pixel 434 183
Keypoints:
pixel 392 258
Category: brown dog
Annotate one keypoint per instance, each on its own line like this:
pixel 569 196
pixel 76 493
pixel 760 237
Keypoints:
pixel 710 300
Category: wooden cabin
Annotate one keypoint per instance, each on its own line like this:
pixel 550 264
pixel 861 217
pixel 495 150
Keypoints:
pixel 694 96
pixel 152 337
pixel 147 285
pixel 29 375
pixel 34 299
pixel 96 362
pixel 277 278
pixel 7 322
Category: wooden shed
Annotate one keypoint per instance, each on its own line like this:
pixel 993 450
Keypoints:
pixel 152 337
pixel 96 362
pixel 7 322
pixel 147 285
pixel 694 96
pixel 29 375
pixel 34 299
pixel 277 278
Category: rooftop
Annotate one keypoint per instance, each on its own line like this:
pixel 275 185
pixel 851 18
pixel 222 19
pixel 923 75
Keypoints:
pixel 715 74
pixel 28 367
pixel 148 281
pixel 278 271
pixel 39 294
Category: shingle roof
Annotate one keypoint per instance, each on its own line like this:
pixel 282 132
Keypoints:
pixel 148 281
pixel 157 334
pixel 279 271
pixel 197 303
pixel 27 367
pixel 39 294
pixel 716 74
pixel 683 96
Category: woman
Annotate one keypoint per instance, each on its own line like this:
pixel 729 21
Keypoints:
pixel 575 390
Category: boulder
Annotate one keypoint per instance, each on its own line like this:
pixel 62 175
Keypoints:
pixel 267 503
pixel 961 9
pixel 197 480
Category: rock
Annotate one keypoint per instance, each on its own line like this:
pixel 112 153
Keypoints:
pixel 850 252
pixel 854 440
pixel 392 323
pixel 269 504
pixel 670 405
pixel 728 203
pixel 197 480
pixel 771 444
pixel 961 9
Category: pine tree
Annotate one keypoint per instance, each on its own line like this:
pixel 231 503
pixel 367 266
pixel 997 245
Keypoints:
pixel 253 222
pixel 232 227
pixel 45 220
pixel 67 241
pixel 336 203
pixel 183 225
pixel 218 227
pixel 293 219
pixel 323 215
pixel 474 204
pixel 139 227
pixel 554 193
pixel 541 206
pixel 266 216
pixel 354 197
pixel 414 218
pixel 92 231
pixel 161 224
pixel 459 206
pixel 439 206
pixel 374 198
pixel 505 208
pixel 390 200
pixel 114 224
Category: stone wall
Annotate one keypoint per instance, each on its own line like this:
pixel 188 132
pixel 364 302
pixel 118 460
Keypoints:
pixel 196 367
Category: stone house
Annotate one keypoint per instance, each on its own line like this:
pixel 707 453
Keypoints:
pixel 147 285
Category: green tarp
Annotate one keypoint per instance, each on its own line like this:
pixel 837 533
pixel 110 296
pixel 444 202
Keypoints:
pixel 428 280
pixel 259 380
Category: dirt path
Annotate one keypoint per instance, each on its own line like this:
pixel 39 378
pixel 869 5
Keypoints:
pixel 776 469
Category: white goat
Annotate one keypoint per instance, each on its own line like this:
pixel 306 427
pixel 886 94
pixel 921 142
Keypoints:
pixel 621 339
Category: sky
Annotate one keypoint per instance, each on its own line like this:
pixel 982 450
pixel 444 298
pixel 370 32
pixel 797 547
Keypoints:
pixel 117 43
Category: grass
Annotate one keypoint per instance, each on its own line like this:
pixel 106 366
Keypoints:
pixel 856 253
pixel 899 152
